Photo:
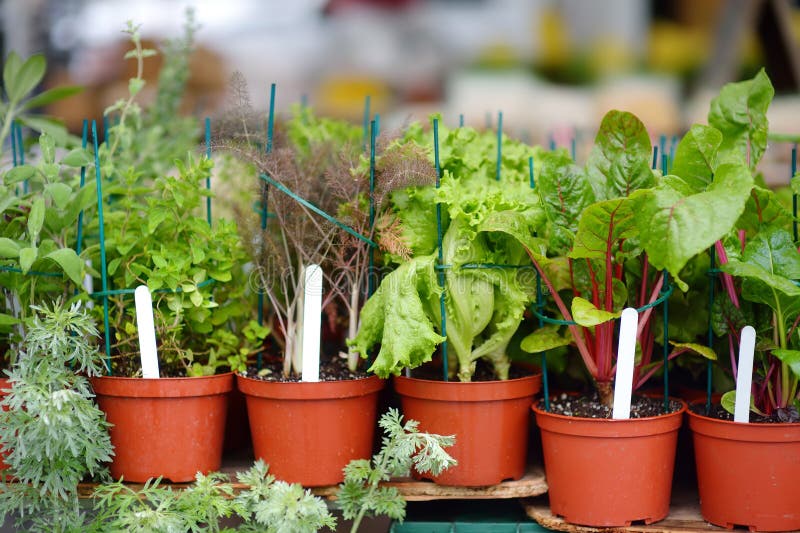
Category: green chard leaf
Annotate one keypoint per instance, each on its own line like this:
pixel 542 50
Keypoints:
pixel 740 114
pixel 696 155
pixel 602 226
pixel 545 338
pixel 564 192
pixel 791 358
pixel 586 314
pixel 669 220
pixel 620 160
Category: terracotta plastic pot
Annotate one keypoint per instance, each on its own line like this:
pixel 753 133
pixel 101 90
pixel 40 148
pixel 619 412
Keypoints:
pixel 490 420
pixel 747 474
pixel 170 427
pixel 308 432
pixel 608 473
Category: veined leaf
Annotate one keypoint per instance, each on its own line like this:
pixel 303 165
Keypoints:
pixel 601 227
pixel 563 189
pixel 791 358
pixel 696 155
pixel 619 163
pixel 740 113
pixel 670 223
pixel 586 314
pixel 545 338
pixel 70 263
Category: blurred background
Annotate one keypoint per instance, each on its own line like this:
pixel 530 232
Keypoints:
pixel 552 67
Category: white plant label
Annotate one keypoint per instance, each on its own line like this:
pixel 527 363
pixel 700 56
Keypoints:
pixel 88 285
pixel 147 331
pixel 744 374
pixel 626 352
pixel 312 322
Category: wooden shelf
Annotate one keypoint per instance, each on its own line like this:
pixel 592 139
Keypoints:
pixel 530 485
pixel 684 516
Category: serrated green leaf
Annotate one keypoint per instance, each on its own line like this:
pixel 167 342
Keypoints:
pixel 70 263
pixel 36 219
pixel 8 249
pixel 545 338
pixel 696 156
pixel 740 113
pixel 586 314
pixel 669 222
pixel 619 163
pixel 27 256
pixel 78 157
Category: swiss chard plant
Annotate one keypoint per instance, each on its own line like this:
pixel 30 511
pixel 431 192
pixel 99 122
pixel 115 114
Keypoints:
pixel 759 258
pixel 616 229
pixel 485 295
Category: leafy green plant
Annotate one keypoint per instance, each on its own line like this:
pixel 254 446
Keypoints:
pixel 53 434
pixel 403 447
pixel 157 232
pixel 20 79
pixel 616 228
pixel 266 505
pixel 484 306
pixel 38 230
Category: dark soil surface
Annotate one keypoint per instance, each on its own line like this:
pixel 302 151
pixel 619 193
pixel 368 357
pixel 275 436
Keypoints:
pixel 483 372
pixel 788 415
pixel 590 406
pixel 333 370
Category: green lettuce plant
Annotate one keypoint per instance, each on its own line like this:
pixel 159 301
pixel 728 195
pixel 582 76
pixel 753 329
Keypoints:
pixel 484 304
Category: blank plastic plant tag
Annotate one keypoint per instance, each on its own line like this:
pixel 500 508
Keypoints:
pixel 312 322
pixel 88 286
pixel 147 331
pixel 623 381
pixel 744 374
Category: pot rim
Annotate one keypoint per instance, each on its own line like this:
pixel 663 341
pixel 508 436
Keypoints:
pixel 767 432
pixel 305 390
pixel 181 387
pixel 609 427
pixel 471 391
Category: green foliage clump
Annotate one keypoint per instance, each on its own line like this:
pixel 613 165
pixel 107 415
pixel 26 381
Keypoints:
pixel 53 434
pixel 265 505
pixel 404 447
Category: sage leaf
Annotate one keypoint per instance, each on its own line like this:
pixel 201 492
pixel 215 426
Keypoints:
pixel 36 219
pixel 27 256
pixel 19 174
pixel 9 249
pixel 70 263
pixel 21 78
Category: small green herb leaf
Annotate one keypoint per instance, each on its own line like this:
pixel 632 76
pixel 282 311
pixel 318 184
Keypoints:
pixel 27 256
pixel 18 174
pixel 9 249
pixel 69 262
pixel 36 219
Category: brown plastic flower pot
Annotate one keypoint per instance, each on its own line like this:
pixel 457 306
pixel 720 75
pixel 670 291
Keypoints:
pixel 170 427
pixel 490 420
pixel 747 474
pixel 608 473
pixel 308 432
